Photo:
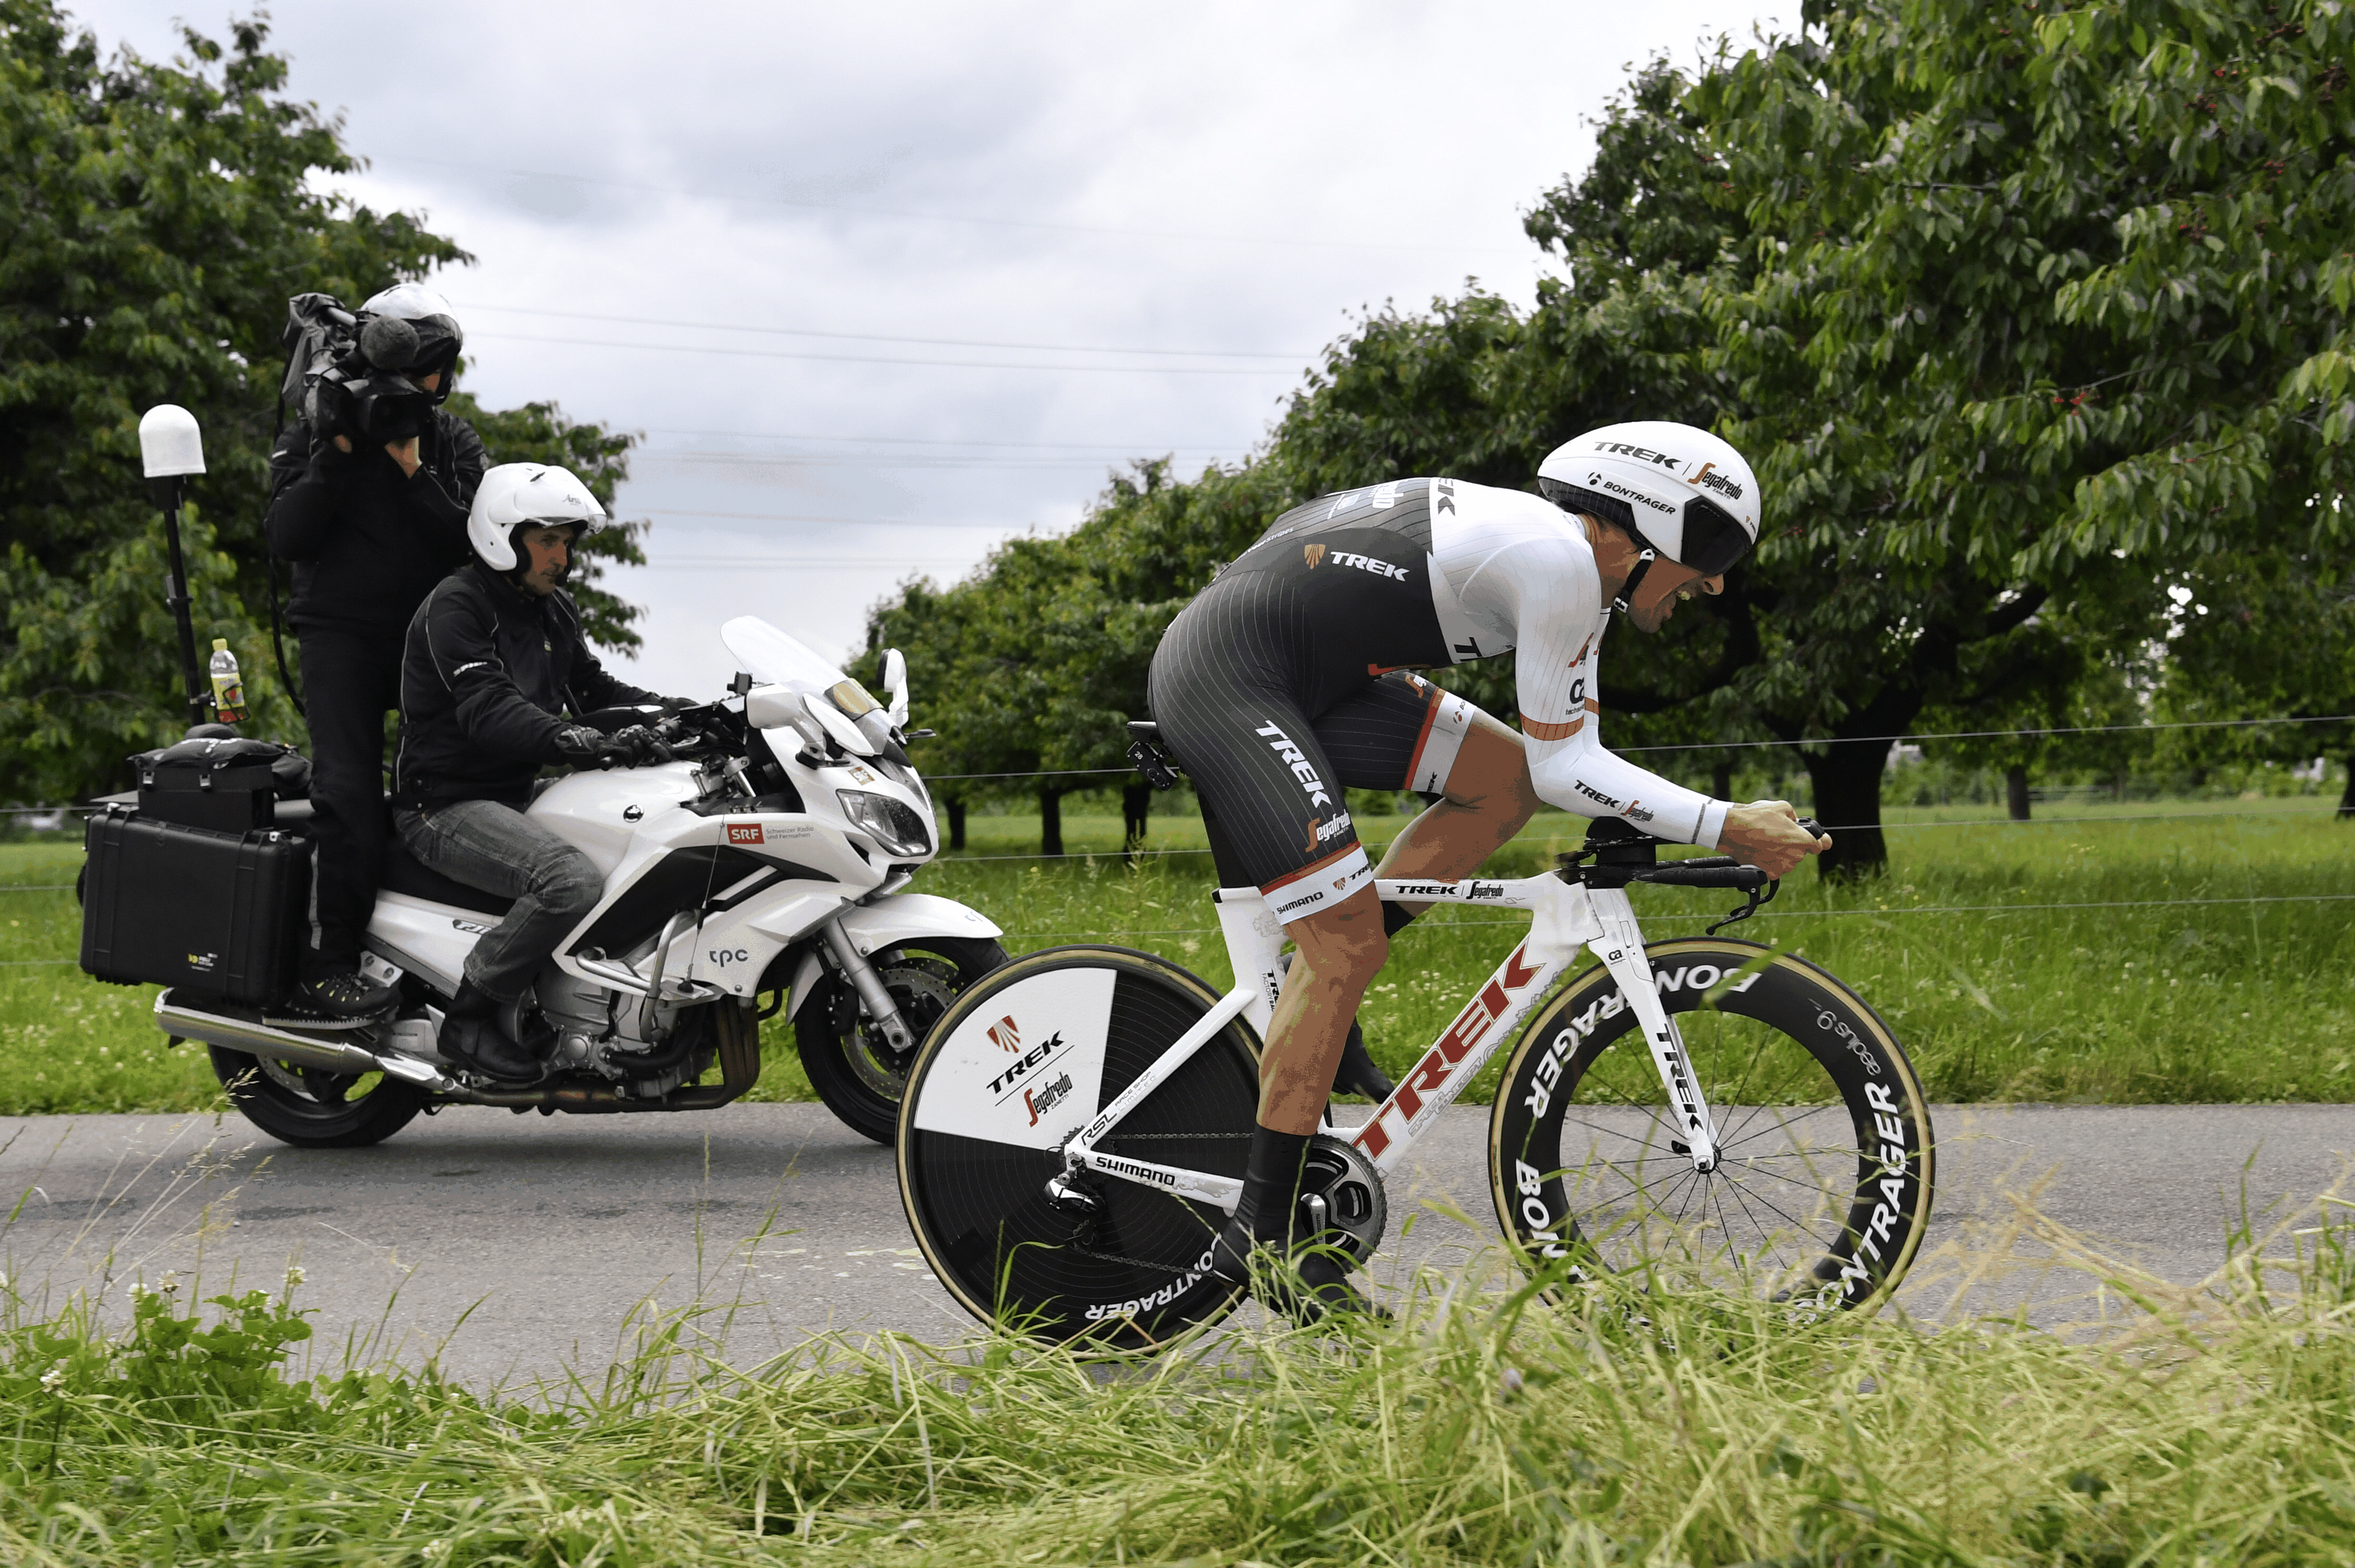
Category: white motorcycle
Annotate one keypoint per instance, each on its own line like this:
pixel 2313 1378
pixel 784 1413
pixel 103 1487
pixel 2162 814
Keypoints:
pixel 770 859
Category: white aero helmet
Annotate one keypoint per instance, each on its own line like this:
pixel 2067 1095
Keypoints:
pixel 515 494
pixel 1682 493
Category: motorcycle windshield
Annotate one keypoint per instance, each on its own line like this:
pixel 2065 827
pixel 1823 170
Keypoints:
pixel 777 659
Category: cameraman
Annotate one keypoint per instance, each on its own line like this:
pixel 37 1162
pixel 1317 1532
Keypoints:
pixel 369 496
pixel 495 657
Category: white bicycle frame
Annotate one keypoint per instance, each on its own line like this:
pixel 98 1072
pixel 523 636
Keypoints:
pixel 1564 917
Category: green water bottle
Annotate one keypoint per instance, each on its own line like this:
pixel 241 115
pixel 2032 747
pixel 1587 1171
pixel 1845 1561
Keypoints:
pixel 229 688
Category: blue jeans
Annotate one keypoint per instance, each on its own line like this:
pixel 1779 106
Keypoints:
pixel 499 849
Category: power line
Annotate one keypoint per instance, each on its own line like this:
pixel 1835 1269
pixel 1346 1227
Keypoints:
pixel 739 196
pixel 1989 734
pixel 885 337
pixel 874 359
pixel 943 441
pixel 815 517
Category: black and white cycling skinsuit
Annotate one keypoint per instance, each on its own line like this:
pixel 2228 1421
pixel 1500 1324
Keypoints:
pixel 1287 679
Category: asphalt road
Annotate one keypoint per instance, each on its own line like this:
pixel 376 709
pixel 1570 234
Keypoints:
pixel 519 1246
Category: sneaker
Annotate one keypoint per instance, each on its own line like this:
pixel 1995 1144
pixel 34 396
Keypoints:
pixel 347 993
pixel 1309 1286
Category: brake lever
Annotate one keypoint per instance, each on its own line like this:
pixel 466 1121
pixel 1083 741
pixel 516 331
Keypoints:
pixel 1756 903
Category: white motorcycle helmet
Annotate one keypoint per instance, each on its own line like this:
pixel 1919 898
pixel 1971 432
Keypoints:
pixel 528 494
pixel 1681 492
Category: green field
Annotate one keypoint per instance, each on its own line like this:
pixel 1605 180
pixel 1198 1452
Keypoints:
pixel 2099 953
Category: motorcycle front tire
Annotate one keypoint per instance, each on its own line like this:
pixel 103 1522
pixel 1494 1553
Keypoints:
pixel 861 1079
pixel 310 1109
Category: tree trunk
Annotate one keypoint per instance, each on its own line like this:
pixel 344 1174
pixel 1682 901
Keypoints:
pixel 957 824
pixel 2015 792
pixel 1846 778
pixel 1136 809
pixel 1720 782
pixel 2347 796
pixel 1050 822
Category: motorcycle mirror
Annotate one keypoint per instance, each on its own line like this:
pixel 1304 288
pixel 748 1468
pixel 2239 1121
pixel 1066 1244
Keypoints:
pixel 776 708
pixel 895 686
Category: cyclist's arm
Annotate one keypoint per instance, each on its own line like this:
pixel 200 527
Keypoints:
pixel 1556 605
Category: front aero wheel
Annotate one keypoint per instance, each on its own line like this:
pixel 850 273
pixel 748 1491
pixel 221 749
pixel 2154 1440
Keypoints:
pixel 1822 1190
pixel 312 1107
pixel 1022 1062
pixel 852 1067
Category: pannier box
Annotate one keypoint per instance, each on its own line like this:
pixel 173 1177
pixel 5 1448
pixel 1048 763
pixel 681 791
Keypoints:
pixel 216 914
pixel 228 785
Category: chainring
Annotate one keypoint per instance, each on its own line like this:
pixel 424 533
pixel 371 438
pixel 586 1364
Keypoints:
pixel 1341 1202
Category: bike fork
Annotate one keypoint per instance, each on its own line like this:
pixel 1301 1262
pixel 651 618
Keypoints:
pixel 1623 954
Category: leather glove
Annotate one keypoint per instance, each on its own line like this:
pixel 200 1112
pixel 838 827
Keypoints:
pixel 584 747
pixel 640 745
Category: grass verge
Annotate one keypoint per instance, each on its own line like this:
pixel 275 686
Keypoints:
pixel 2208 1425
pixel 2152 952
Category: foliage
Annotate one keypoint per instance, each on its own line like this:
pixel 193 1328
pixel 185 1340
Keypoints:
pixel 158 216
pixel 2022 317
pixel 2088 990
pixel 2191 1424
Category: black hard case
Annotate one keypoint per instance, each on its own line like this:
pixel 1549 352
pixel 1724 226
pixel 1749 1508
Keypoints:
pixel 210 913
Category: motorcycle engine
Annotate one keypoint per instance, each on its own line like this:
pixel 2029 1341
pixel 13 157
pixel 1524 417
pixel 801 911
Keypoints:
pixel 600 1030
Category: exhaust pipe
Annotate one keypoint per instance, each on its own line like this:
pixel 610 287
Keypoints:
pixel 283 1045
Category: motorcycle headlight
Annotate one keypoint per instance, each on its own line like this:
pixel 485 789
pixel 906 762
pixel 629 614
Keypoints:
pixel 887 821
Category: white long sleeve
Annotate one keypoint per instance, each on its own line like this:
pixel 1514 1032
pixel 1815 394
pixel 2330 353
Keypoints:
pixel 1522 572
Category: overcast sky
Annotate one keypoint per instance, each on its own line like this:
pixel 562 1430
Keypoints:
pixel 880 285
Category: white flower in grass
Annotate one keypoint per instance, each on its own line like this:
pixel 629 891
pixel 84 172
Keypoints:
pixel 54 1376
pixel 293 1275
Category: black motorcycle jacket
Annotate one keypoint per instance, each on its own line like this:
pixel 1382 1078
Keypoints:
pixel 368 542
pixel 487 671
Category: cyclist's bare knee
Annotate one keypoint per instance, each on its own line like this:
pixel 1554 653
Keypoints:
pixel 1343 945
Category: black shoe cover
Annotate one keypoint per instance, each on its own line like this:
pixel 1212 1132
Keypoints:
pixel 1307 1286
pixel 344 994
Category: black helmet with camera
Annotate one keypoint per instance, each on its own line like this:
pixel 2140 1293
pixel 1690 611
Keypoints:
pixel 378 374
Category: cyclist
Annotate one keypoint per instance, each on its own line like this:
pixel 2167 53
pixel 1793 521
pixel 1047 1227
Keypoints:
pixel 1289 678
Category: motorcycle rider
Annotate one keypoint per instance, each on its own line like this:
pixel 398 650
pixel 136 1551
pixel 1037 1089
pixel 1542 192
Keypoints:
pixel 1284 681
pixel 495 657
pixel 372 521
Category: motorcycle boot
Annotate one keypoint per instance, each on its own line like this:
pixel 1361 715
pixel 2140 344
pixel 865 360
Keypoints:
pixel 347 993
pixel 472 1037
pixel 1261 1249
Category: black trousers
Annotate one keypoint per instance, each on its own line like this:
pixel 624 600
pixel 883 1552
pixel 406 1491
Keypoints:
pixel 351 678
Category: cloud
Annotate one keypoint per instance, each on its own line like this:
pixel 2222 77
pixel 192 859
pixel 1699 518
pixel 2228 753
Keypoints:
pixel 1226 177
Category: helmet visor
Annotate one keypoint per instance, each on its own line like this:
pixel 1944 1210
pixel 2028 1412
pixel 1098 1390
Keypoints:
pixel 1713 541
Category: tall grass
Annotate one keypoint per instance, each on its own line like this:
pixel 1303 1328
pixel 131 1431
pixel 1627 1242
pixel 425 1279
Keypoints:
pixel 2147 996
pixel 2205 1424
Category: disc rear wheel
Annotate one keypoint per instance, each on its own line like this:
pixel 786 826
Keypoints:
pixel 1021 1063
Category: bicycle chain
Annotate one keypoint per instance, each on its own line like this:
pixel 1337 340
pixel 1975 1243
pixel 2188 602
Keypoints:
pixel 1118 1136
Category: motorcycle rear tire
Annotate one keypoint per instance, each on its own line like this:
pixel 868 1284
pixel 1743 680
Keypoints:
pixel 859 1080
pixel 321 1114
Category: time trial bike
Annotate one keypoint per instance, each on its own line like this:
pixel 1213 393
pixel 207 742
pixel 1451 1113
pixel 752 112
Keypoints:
pixel 1712 1112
